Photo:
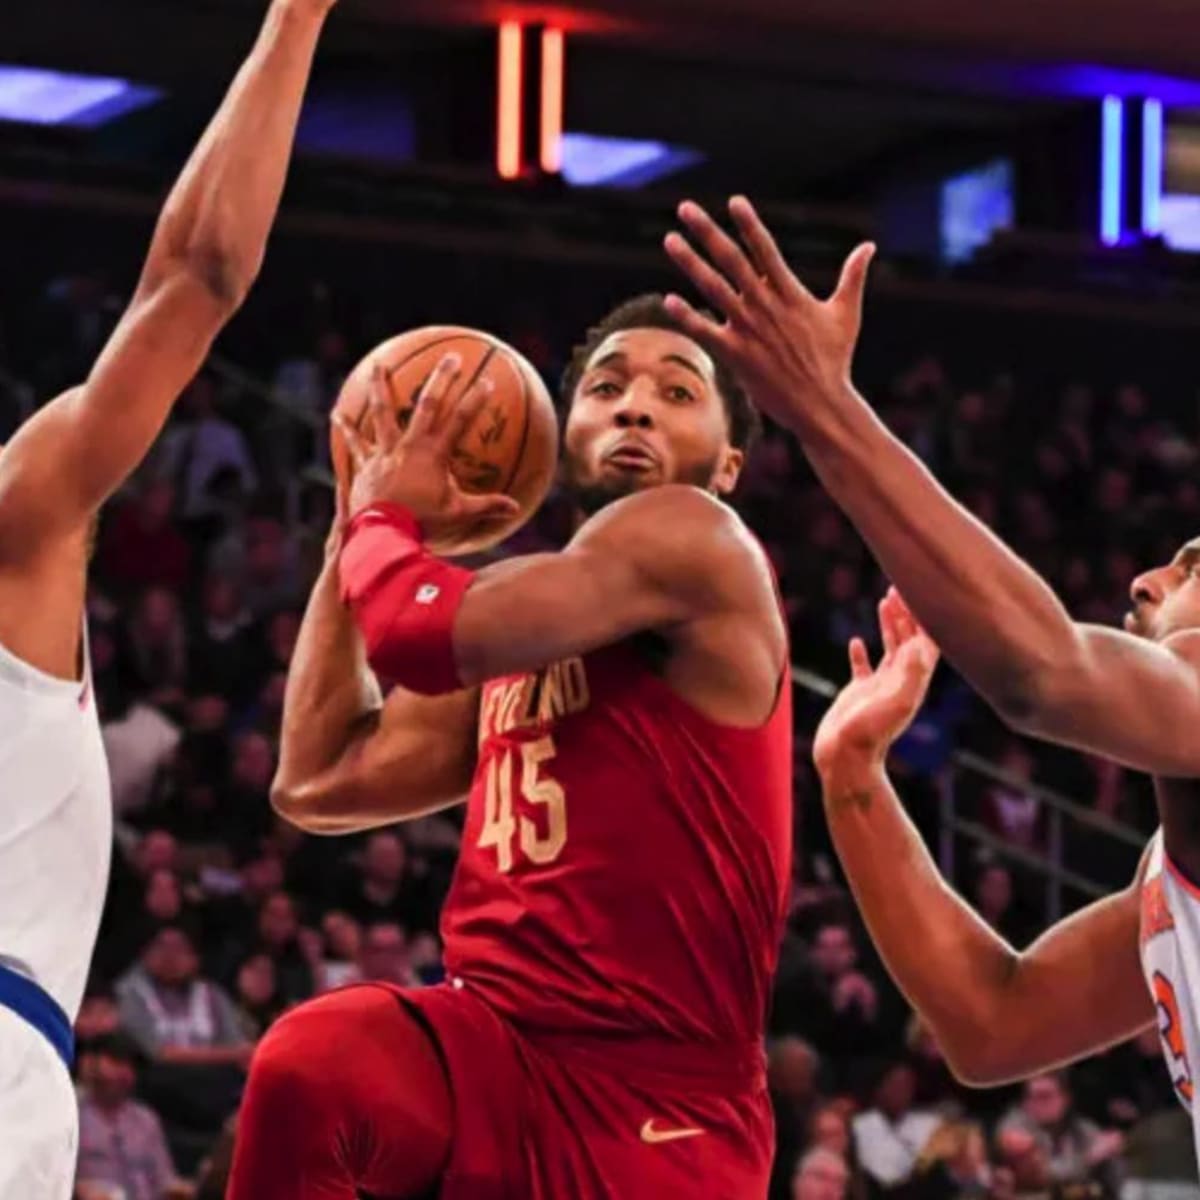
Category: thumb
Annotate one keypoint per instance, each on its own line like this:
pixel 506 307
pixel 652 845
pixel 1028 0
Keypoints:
pixel 488 506
pixel 853 281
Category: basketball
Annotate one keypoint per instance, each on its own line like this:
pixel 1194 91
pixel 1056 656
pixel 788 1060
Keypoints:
pixel 510 447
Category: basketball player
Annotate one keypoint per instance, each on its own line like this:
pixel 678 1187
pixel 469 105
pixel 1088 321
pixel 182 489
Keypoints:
pixel 620 716
pixel 1133 696
pixel 55 809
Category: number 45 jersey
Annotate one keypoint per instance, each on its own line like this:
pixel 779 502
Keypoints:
pixel 1170 948
pixel 626 861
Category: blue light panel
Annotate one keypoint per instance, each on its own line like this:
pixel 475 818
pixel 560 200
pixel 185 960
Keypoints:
pixel 32 96
pixel 1112 123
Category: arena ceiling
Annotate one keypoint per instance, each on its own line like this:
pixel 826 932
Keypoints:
pixel 194 37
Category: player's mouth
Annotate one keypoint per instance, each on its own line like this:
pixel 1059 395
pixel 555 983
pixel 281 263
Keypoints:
pixel 1133 625
pixel 632 456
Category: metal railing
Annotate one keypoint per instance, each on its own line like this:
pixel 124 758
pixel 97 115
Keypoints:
pixel 1059 809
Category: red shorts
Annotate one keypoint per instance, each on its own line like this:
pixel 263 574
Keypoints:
pixel 544 1118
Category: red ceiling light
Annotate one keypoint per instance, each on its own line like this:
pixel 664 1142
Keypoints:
pixel 553 77
pixel 509 100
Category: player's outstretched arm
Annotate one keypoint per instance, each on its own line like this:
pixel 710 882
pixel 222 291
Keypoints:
pixel 995 619
pixel 998 1015
pixel 655 560
pixel 205 254
pixel 348 760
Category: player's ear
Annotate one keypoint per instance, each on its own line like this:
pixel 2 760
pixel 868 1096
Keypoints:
pixel 729 470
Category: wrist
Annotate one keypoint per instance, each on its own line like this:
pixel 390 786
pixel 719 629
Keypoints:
pixel 854 768
pixel 826 410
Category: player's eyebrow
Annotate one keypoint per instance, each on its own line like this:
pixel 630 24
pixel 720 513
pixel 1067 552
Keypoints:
pixel 686 363
pixel 613 356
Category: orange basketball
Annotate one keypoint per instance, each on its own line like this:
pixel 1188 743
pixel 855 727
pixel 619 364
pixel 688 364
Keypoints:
pixel 510 447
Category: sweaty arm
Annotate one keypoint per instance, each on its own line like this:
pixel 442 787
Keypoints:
pixel 206 252
pixel 995 619
pixel 998 1015
pixel 655 560
pixel 348 760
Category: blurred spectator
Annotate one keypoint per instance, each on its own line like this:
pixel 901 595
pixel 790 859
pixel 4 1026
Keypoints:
pixel 833 1003
pixel 892 1134
pixel 222 644
pixel 384 956
pixel 387 889
pixel 792 1067
pixel 140 547
pixel 173 1013
pixel 140 742
pixel 994 900
pixel 1075 1150
pixel 954 1163
pixel 821 1175
pixel 276 937
pixel 198 452
pixel 121 1142
pixel 157 640
pixel 342 943
pixel 256 993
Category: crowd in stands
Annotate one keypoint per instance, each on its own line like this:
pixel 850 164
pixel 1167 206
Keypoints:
pixel 221 915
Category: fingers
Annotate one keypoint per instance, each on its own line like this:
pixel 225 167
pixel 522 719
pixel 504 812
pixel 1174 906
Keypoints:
pixel 711 284
pixel 887 628
pixel 357 445
pixel 724 252
pixel 853 281
pixel 427 417
pixel 704 330
pixel 763 248
pixel 491 506
pixel 860 663
pixel 386 432
pixel 460 414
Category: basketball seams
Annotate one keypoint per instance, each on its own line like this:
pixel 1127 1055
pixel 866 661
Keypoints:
pixel 519 457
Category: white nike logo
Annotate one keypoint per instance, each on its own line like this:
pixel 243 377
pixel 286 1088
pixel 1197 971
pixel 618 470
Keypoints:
pixel 653 1137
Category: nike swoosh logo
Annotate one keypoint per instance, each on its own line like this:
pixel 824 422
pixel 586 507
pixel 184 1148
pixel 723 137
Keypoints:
pixel 654 1137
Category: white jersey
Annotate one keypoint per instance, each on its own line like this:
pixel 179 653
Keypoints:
pixel 1170 947
pixel 55 827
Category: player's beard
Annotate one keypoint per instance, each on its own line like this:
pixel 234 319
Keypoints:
pixel 589 496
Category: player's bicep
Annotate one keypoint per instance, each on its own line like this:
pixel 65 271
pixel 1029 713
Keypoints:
pixel 413 756
pixel 1127 698
pixel 649 562
pixel 526 613
pixel 1076 991
pixel 73 454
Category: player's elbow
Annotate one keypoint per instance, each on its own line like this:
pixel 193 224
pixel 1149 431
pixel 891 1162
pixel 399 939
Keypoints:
pixel 225 275
pixel 309 806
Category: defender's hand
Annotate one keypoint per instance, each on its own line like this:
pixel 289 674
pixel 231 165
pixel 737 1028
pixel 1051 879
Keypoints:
pixel 878 705
pixel 789 349
pixel 413 467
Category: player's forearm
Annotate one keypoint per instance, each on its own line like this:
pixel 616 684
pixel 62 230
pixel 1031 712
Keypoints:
pixel 217 218
pixel 994 618
pixel 330 693
pixel 952 968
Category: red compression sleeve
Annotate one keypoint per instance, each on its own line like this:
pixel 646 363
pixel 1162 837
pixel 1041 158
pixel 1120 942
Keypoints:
pixel 404 599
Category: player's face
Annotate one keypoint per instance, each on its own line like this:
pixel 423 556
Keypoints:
pixel 647 412
pixel 1167 599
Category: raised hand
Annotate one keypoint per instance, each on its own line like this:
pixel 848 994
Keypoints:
pixel 413 467
pixel 790 350
pixel 878 705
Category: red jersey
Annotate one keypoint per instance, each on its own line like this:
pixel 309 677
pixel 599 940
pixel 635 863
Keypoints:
pixel 626 860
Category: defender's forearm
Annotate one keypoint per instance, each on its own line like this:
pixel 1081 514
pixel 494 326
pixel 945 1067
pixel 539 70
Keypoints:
pixel 952 968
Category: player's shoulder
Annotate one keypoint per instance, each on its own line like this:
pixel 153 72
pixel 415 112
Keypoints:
pixel 678 533
pixel 674 518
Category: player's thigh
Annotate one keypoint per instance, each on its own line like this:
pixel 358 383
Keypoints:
pixel 375 1070
pixel 39 1116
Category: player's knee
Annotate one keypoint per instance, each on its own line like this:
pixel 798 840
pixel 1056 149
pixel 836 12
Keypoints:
pixel 289 1063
